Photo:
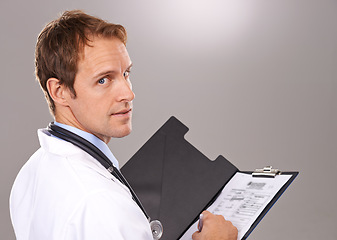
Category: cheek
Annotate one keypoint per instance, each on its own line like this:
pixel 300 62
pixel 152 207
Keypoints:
pixel 84 108
pixel 91 105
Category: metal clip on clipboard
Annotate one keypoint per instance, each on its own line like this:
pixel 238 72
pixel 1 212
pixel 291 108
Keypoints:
pixel 267 171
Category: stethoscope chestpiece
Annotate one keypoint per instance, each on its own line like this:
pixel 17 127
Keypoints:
pixel 156 229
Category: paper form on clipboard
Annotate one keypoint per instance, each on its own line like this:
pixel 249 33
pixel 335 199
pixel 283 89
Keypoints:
pixel 242 200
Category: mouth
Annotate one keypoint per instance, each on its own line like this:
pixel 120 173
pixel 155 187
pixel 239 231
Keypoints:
pixel 123 112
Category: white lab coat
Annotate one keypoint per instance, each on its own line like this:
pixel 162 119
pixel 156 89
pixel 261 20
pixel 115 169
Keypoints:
pixel 64 193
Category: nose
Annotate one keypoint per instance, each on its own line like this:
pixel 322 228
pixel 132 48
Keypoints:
pixel 125 93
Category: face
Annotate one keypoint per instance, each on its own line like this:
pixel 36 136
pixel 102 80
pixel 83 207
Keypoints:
pixel 103 102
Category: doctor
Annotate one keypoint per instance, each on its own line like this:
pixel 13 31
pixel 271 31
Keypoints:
pixel 62 192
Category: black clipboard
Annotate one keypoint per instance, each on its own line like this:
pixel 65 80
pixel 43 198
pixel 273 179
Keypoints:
pixel 168 174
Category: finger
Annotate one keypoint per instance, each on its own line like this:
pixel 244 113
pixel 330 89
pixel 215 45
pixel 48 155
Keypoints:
pixel 206 214
pixel 220 217
pixel 195 236
pixel 236 231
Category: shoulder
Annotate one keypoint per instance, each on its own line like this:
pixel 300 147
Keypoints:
pixel 107 215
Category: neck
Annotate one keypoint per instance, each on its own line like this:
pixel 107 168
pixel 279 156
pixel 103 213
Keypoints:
pixel 72 121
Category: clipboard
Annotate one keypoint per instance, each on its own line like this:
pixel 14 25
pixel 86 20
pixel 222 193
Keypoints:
pixel 176 182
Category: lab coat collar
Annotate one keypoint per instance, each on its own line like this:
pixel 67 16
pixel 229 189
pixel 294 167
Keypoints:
pixel 65 149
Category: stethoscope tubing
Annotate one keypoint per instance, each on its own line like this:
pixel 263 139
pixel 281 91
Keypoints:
pixel 96 153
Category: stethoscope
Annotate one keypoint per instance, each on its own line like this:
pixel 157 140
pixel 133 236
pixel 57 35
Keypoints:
pixel 155 225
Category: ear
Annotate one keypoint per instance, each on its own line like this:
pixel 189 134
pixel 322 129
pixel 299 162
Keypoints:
pixel 57 91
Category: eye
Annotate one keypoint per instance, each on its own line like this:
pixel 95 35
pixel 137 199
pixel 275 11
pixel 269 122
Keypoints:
pixel 102 81
pixel 126 74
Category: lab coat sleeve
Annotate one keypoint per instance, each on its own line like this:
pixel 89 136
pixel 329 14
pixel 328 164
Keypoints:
pixel 107 215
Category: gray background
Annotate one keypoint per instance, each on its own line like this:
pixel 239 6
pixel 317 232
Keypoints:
pixel 254 80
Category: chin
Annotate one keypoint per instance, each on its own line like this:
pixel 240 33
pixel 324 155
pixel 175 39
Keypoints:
pixel 122 133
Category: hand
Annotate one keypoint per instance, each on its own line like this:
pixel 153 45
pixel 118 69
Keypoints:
pixel 215 227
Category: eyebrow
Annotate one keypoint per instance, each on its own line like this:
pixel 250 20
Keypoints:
pixel 110 72
pixel 129 67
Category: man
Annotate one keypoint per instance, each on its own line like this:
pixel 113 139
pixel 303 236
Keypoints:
pixel 63 192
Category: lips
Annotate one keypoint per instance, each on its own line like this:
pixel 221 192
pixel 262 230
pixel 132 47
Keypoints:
pixel 123 111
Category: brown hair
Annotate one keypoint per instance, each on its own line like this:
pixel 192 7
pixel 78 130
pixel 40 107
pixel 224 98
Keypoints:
pixel 61 43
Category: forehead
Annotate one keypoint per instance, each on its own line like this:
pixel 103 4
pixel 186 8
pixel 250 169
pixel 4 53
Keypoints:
pixel 104 52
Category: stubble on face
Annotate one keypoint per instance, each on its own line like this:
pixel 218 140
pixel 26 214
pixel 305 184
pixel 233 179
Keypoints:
pixel 103 102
